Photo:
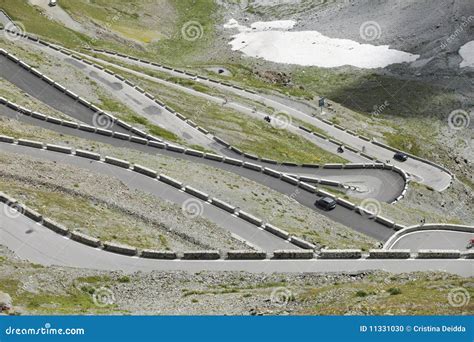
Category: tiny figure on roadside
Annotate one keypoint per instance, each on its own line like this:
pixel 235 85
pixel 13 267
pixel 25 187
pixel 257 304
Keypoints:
pixel 267 119
pixel 423 221
pixel 363 148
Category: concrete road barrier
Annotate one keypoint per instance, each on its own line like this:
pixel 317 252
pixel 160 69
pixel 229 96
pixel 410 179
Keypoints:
pixel 233 161
pixel 251 156
pixel 272 172
pixel 192 152
pixel 181 116
pixel 223 205
pixel 117 162
pixel 156 144
pixel 203 130
pixel 54 120
pixel 398 227
pixel 236 150
pixel 105 132
pixel 213 157
pixel 268 161
pixel 250 218
pixel 365 155
pixel 120 249
pixel 4 138
pixel 389 254
pixel 438 254
pixel 222 142
pixel 87 128
pixel 170 181
pixel 246 255
pixel 345 203
pixel 145 171
pixel 329 182
pixel 61 149
pixel 307 187
pixel 85 239
pixel 196 193
pixel 138 140
pixel 252 166
pixel 175 148
pixel 302 243
pixel 192 123
pixel 54 226
pixel 354 166
pixel 323 193
pixel 467 255
pixel 121 136
pixel 152 254
pixel 340 254
pixel 289 179
pixel 305 129
pixel 201 255
pixel 293 254
pixel 277 231
pixel 30 143
pixel 333 166
pixel 384 221
pixel 71 124
pixel 87 154
pixel 32 214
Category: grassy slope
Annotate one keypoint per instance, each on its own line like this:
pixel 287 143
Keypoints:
pixel 107 224
pixel 251 135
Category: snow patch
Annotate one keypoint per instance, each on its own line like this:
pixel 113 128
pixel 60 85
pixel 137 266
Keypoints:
pixel 272 42
pixel 467 53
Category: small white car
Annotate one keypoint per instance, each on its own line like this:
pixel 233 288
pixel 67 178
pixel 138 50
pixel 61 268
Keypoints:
pixel 53 3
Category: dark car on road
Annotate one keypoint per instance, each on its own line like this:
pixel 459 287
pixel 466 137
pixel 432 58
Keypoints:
pixel 400 156
pixel 326 203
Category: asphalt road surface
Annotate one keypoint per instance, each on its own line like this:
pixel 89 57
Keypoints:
pixel 33 242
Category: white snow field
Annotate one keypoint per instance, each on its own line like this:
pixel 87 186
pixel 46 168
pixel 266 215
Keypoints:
pixel 273 42
pixel 467 53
